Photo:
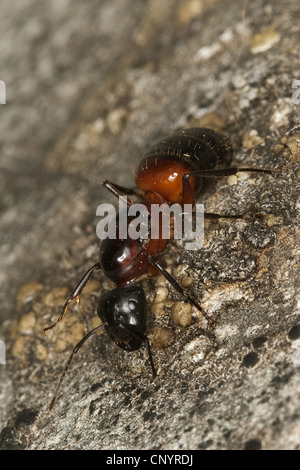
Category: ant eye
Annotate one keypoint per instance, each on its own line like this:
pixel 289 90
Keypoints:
pixel 132 306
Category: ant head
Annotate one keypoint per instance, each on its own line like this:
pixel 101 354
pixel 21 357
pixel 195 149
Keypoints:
pixel 123 313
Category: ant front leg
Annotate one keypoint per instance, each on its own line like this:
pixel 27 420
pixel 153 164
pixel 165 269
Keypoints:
pixel 188 196
pixel 225 172
pixel 75 294
pixel 179 289
pixel 120 191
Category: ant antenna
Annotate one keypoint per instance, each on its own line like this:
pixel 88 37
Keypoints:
pixel 151 358
pixel 75 350
pixel 75 295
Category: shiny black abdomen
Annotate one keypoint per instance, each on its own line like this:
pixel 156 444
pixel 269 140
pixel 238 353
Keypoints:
pixel 204 149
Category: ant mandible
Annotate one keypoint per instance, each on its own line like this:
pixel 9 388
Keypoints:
pixel 172 171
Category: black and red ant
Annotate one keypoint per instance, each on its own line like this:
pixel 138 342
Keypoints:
pixel 172 171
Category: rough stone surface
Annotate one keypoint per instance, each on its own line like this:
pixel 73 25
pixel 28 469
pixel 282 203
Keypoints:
pixel 89 86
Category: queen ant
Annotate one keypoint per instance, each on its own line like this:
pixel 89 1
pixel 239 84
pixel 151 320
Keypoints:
pixel 172 171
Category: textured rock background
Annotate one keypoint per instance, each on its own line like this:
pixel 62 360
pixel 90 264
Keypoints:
pixel 89 86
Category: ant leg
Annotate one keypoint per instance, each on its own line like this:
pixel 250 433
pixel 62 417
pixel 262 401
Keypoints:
pixel 179 289
pixel 75 350
pixel 117 191
pixel 120 191
pixel 146 340
pixel 188 196
pixel 211 215
pixel 150 357
pixel 187 191
pixel 75 294
pixel 245 216
pixel 226 172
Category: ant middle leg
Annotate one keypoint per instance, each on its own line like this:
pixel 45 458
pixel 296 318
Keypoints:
pixel 180 290
pixel 188 196
pixel 75 294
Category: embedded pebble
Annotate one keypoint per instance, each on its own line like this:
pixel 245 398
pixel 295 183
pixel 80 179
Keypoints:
pixel 293 143
pixel 56 296
pixel 232 180
pixel 158 309
pixel 251 139
pixel 161 294
pixel 116 120
pixel 264 40
pixel 182 314
pixel 27 323
pixel 26 292
pixel 161 337
pixel 41 352
pixel 210 120
pixel 161 280
pixel 197 349
pixel 188 10
pixel 63 342
pixel 271 219
pixel 280 115
pixel 240 176
pixel 19 346
pixel 77 331
pixel 186 281
pixel 182 273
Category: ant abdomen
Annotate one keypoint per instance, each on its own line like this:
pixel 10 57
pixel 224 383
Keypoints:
pixel 185 152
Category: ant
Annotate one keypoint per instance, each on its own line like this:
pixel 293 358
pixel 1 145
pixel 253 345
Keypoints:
pixel 172 171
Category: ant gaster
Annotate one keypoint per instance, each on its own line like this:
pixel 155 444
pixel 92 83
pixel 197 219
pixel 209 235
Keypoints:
pixel 172 171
